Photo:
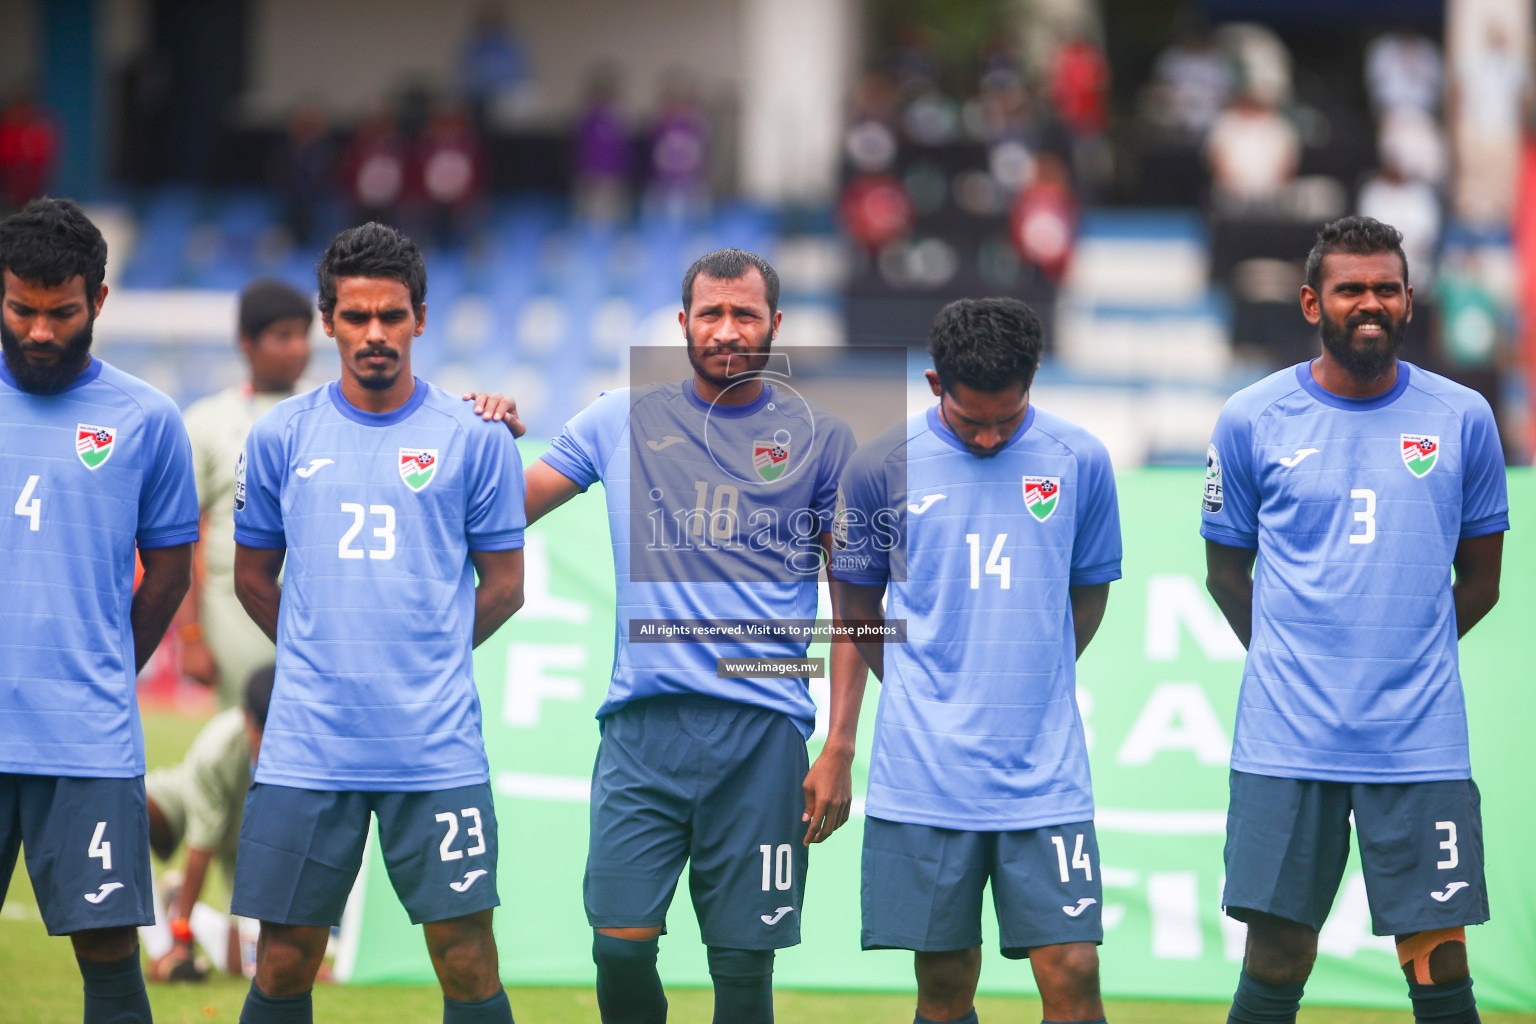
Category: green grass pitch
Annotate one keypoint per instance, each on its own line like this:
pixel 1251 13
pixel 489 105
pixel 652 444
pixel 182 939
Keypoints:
pixel 39 983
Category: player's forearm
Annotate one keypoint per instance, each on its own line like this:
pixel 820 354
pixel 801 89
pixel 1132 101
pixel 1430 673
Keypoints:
pixel 1473 601
pixel 1088 604
pixel 256 585
pixel 856 604
pixel 194 877
pixel 1479 565
pixel 499 593
pixel 167 575
pixel 1235 600
pixel 849 674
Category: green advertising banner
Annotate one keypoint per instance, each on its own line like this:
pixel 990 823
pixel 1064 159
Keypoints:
pixel 1157 689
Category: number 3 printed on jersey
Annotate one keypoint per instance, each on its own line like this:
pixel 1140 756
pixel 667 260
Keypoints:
pixel 1365 515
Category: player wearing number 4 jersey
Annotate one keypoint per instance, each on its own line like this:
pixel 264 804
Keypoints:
pixel 92 463
pixel 384 497
pixel 1350 488
pixel 992 529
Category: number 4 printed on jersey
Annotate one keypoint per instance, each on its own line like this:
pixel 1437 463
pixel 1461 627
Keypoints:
pixel 28 506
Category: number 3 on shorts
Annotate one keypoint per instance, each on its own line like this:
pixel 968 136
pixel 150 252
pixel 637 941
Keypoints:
pixel 472 832
pixel 1452 858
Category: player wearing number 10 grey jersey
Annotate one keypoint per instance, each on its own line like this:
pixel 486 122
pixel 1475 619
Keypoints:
pixel 1350 487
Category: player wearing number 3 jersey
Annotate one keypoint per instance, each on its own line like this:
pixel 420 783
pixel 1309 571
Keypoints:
pixel 383 497
pixel 992 529
pixel 92 463
pixel 1350 487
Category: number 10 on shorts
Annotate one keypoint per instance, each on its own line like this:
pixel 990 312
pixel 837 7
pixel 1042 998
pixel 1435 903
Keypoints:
pixel 778 866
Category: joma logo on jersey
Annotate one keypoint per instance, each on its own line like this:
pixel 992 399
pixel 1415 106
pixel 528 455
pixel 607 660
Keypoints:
pixel 1041 495
pixel 769 459
pixel 94 444
pixel 1420 453
pixel 418 466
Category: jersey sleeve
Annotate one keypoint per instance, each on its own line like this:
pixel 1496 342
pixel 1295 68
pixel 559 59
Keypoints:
pixel 583 447
pixel 1484 488
pixel 496 515
pixel 836 449
pixel 1230 512
pixel 168 511
pixel 258 487
pixel 863 528
pixel 1096 548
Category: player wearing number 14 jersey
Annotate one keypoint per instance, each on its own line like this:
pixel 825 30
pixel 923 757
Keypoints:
pixel 1350 487
pixel 992 529
pixel 382 498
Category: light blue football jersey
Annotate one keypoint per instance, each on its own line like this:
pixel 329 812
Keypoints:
pixel 978 726
pixel 1356 507
pixel 378 512
pixel 84 475
pixel 716 513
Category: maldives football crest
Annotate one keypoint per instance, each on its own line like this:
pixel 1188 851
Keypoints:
pixel 1041 495
pixel 1420 453
pixel 94 444
pixel 418 466
pixel 769 459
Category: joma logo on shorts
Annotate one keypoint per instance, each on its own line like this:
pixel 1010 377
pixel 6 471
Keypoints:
pixel 1441 896
pixel 778 915
pixel 1082 905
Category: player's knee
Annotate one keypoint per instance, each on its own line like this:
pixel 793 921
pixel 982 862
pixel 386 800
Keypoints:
pixel 104 945
pixel 1279 952
pixel 464 953
pixel 1434 957
pixel 288 958
pixel 948 979
pixel 1076 967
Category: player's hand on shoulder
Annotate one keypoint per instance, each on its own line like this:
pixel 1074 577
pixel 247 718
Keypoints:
pixel 497 407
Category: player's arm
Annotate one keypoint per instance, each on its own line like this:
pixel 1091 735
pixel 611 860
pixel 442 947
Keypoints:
pixel 256 585
pixel 861 602
pixel 1229 578
pixel 500 590
pixel 828 786
pixel 1088 603
pixel 547 489
pixel 167 575
pixel 1478 563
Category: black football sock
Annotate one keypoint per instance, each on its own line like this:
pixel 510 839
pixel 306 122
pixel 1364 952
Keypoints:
pixel 1258 1002
pixel 1451 1003
pixel 260 1008
pixel 495 1010
pixel 628 987
pixel 969 1018
pixel 743 985
pixel 114 991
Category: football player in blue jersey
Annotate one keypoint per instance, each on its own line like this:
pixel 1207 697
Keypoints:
pixel 1354 516
pixel 93 462
pixel 991 529
pixel 384 498
pixel 720 493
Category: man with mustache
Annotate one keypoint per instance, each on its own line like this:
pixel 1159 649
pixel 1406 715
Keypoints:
pixel 720 495
pixel 93 463
pixel 1341 495
pixel 385 498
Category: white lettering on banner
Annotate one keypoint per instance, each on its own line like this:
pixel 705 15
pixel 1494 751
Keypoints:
pixel 1174 905
pixel 1173 600
pixel 1234 933
pixel 1111 877
pixel 1348 928
pixel 1178 716
pixel 538 601
pixel 530 678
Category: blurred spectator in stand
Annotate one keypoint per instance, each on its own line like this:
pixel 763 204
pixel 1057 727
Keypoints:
pixel 450 161
pixel 29 146
pixel 1402 69
pixel 1079 92
pixel 1253 153
pixel 679 172
pixel 1191 84
pixel 305 173
pixel 602 152
pixel 374 168
pixel 1411 140
pixel 1263 63
pixel 870 144
pixel 1488 100
pixel 1044 218
pixel 491 65
pixel 1413 207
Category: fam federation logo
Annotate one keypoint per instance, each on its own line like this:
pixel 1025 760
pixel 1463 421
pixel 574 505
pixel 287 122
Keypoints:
pixel 770 458
pixel 418 466
pixel 1420 452
pixel 94 445
pixel 1041 495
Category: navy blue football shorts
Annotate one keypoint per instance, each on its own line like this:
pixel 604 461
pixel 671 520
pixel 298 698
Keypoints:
pixel 300 851
pixel 1421 850
pixel 712 782
pixel 922 886
pixel 87 846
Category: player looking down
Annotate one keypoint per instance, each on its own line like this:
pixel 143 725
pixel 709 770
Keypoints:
pixel 385 498
pixel 991 527
pixel 93 462
pixel 1354 519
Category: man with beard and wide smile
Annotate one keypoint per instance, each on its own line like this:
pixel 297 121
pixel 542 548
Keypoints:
pixel 1341 495
pixel 743 476
pixel 93 464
